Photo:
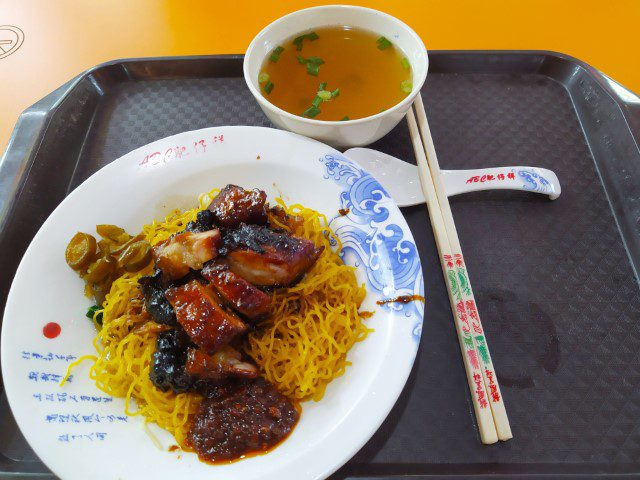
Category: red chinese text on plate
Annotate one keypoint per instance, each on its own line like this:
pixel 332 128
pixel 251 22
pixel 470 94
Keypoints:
pixel 178 152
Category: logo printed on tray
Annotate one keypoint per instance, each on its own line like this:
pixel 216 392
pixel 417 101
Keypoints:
pixel 11 39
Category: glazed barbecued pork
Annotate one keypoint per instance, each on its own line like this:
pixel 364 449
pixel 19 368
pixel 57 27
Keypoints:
pixel 180 366
pixel 244 297
pixel 267 258
pixel 209 280
pixel 203 315
pixel 226 362
pixel 186 251
pixel 235 205
pixel 204 221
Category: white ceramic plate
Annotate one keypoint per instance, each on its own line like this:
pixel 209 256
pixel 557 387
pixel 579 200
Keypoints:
pixel 79 432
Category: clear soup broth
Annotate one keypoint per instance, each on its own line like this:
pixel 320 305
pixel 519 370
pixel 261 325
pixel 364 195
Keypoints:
pixel 336 73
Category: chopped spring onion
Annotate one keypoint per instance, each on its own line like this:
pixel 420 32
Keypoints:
pixel 311 112
pixel 275 55
pixel 312 64
pixel 383 43
pixel 406 86
pixel 324 95
pixel 91 312
pixel 405 63
pixel 312 60
pixel 268 87
pixel 344 119
pixel 309 36
pixel 263 77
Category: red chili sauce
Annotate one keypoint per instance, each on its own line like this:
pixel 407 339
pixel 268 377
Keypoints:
pixel 51 330
pixel 250 419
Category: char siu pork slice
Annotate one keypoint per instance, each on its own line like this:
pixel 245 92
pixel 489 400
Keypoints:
pixel 226 362
pixel 186 250
pixel 267 258
pixel 235 205
pixel 203 316
pixel 204 221
pixel 244 297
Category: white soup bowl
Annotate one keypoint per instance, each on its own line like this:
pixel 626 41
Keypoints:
pixel 349 133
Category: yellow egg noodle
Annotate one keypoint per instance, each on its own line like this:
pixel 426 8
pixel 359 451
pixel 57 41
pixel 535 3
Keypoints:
pixel 300 348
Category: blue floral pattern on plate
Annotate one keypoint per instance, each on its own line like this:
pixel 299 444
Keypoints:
pixel 371 238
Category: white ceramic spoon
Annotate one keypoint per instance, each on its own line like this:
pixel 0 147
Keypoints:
pixel 401 178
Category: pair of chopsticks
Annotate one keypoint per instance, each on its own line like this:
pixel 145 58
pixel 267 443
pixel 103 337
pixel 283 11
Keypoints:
pixel 488 403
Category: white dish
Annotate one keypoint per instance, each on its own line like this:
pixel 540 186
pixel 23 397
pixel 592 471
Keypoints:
pixel 349 133
pixel 79 432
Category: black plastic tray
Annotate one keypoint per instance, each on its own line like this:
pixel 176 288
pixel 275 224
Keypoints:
pixel 555 280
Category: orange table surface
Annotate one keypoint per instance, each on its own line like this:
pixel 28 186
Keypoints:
pixel 64 37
